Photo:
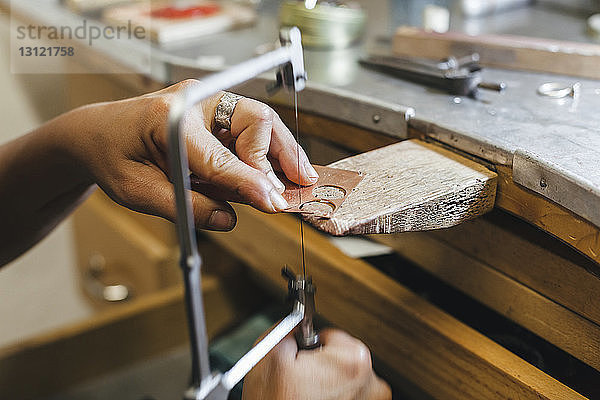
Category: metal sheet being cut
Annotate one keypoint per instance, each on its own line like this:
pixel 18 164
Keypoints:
pixel 325 196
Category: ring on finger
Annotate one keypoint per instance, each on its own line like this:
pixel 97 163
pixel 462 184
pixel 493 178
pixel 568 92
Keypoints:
pixel 225 109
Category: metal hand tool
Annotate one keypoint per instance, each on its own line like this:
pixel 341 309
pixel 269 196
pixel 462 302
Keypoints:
pixel 205 383
pixel 458 77
pixel 302 290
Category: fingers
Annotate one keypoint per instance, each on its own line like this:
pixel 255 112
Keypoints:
pixel 146 189
pixel 286 150
pixel 335 338
pixel 260 132
pixel 251 125
pixel 218 166
pixel 349 354
pixel 338 370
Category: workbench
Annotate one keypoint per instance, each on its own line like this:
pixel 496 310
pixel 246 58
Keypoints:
pixel 532 264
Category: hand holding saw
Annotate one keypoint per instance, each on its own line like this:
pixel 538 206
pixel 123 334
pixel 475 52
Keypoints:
pixel 207 384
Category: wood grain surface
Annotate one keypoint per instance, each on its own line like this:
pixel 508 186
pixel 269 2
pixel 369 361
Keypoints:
pixel 552 321
pixel 410 186
pixel 547 215
pixel 531 257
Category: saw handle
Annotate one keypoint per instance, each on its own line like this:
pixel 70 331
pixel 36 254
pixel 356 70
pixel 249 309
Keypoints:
pixel 302 290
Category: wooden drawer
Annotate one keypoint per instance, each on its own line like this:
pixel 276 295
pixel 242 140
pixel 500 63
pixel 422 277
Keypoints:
pixel 117 247
pixel 518 271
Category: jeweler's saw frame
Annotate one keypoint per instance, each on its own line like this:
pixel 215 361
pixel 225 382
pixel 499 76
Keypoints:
pixel 207 384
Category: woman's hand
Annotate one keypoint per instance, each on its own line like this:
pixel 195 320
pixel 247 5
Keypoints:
pixel 122 146
pixel 339 370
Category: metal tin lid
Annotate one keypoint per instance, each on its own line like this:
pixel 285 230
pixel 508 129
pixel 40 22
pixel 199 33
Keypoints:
pixel 326 25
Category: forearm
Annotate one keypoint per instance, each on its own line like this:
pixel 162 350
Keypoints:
pixel 40 185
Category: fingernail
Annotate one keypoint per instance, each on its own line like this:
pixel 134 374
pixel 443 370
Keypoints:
pixel 278 201
pixel 311 172
pixel 221 220
pixel 275 181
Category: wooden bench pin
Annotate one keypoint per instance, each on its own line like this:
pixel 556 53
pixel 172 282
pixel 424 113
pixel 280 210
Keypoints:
pixel 407 186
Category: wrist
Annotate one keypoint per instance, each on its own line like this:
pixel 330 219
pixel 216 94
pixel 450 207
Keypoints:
pixel 61 139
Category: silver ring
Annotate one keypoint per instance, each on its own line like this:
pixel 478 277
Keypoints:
pixel 225 109
pixel 558 90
